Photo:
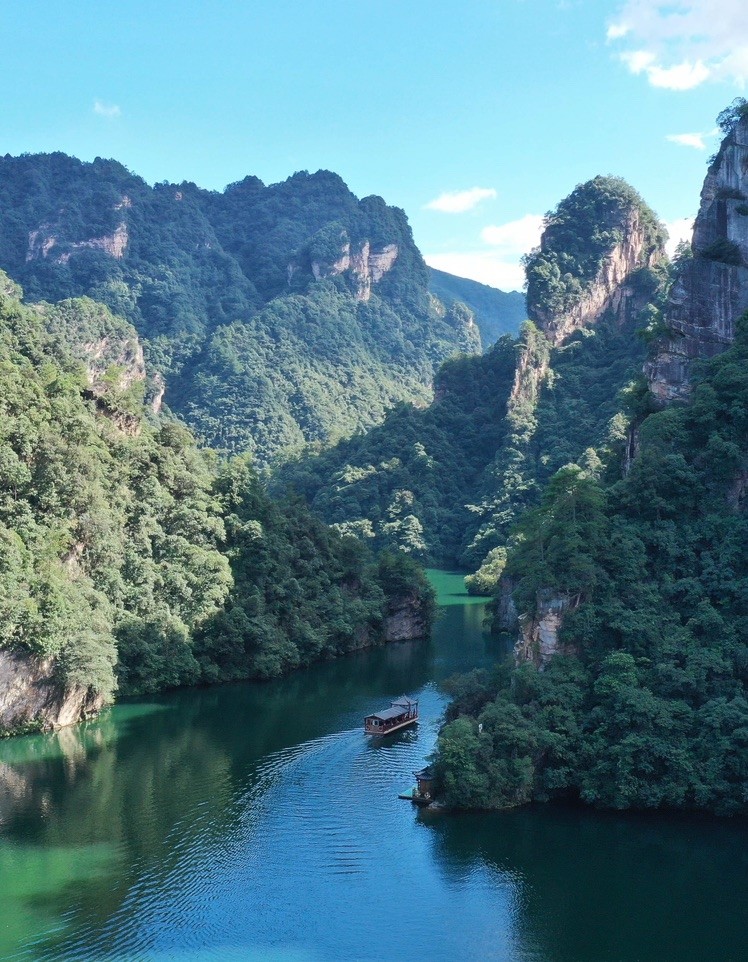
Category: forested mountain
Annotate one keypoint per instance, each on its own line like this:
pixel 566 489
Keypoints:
pixel 496 312
pixel 277 315
pixel 447 483
pixel 130 558
pixel 629 683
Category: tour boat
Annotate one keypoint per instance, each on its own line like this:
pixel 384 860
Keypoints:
pixel 402 712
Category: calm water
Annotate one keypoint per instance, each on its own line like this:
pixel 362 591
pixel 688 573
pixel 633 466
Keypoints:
pixel 256 822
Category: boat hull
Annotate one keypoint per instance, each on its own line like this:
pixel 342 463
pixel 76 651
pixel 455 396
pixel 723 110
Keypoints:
pixel 388 731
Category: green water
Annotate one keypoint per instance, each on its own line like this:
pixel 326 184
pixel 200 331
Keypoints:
pixel 256 822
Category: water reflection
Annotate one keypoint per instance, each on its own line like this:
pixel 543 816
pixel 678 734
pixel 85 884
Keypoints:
pixel 256 822
pixel 592 887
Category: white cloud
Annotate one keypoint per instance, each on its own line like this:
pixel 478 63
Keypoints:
pixel 106 110
pixel 678 230
pixel 499 264
pixel 459 201
pixel 688 140
pixel 488 267
pixel 683 76
pixel 516 236
pixel 679 44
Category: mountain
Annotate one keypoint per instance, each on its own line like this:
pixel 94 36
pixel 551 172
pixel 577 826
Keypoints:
pixel 271 317
pixel 130 559
pixel 496 312
pixel 627 585
pixel 447 483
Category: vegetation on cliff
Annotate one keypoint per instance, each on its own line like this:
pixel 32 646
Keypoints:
pixel 447 484
pixel 650 709
pixel 130 555
pixel 578 235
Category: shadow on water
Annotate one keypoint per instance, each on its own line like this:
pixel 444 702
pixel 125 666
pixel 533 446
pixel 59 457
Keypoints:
pixel 598 887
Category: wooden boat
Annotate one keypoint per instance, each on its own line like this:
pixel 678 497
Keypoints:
pixel 402 712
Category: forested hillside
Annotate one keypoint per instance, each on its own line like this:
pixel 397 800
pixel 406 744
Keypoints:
pixel 628 685
pixel 130 558
pixel 278 316
pixel 446 484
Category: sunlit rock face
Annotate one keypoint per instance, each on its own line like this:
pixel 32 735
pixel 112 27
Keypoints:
pixel 712 290
pixel 609 291
pixel 31 693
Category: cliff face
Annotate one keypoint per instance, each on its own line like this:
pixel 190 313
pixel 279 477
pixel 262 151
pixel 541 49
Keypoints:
pixel 31 694
pixel 538 640
pixel 366 266
pixel 610 290
pixel 712 290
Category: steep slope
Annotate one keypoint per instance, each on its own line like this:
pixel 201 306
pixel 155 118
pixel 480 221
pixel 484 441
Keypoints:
pixel 277 315
pixel 128 558
pixel 448 483
pixel 629 682
pixel 496 312
pixel 711 291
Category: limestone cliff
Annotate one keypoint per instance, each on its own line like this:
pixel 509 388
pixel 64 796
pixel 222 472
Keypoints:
pixel 610 289
pixel 31 694
pixel 712 289
pixel 539 640
pixel 364 265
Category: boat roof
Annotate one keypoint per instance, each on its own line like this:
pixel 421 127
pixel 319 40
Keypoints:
pixel 398 707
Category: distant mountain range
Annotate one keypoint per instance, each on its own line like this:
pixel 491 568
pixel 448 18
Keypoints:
pixel 496 312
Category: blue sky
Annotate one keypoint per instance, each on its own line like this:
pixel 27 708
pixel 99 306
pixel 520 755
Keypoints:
pixel 505 103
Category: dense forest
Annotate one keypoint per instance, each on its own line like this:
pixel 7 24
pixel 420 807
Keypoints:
pixel 135 560
pixel 278 316
pixel 648 706
pixel 626 585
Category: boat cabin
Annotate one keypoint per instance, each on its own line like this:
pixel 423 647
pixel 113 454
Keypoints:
pixel 402 712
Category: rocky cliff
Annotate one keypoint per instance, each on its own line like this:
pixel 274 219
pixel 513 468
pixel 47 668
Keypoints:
pixel 712 289
pixel 31 694
pixel 611 289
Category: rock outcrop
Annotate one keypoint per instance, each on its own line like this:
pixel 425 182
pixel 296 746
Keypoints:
pixel 611 289
pixel 44 241
pixel 538 640
pixel 712 290
pixel 31 694
pixel 366 267
pixel 405 620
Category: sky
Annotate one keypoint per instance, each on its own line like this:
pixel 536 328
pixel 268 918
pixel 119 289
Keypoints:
pixel 475 117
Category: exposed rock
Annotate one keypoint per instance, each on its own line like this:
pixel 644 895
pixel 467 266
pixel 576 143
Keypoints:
pixel 123 353
pixel 507 616
pixel 538 641
pixel 404 620
pixel 30 694
pixel 158 389
pixel 366 267
pixel 44 240
pixel 712 290
pixel 610 290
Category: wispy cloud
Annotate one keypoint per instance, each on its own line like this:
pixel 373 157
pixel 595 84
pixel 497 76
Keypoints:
pixel 678 230
pixel 498 264
pixel 516 236
pixel 688 140
pixel 459 201
pixel 488 267
pixel 106 110
pixel 680 45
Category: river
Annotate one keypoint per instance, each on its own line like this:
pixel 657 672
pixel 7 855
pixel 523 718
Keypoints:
pixel 256 823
